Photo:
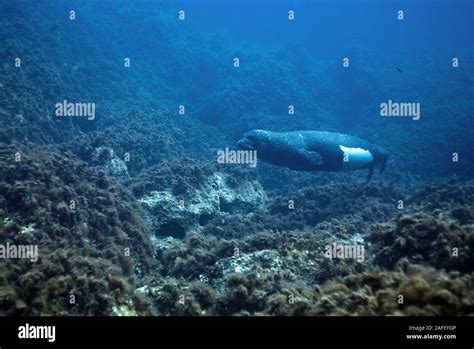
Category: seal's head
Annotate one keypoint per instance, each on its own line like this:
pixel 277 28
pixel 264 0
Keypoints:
pixel 253 140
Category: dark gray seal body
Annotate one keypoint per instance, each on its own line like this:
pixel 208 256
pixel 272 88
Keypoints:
pixel 314 150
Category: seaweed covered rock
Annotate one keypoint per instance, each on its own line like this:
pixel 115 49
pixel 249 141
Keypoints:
pixel 244 272
pixel 425 239
pixel 418 291
pixel 454 195
pixel 315 204
pixel 113 165
pixel 439 233
pixel 272 271
pixel 249 289
pixel 174 215
pixel 342 209
pixel 176 297
pixel 89 231
pixel 150 137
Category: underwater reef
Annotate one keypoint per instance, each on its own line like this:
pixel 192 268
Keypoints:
pixel 240 250
pixel 282 271
pixel 440 226
pixel 84 223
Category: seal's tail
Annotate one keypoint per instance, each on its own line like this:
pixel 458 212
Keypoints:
pixel 383 163
pixel 371 172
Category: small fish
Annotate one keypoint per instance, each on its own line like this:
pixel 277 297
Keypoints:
pixel 399 69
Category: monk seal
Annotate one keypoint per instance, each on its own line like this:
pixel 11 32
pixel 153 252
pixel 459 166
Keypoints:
pixel 314 150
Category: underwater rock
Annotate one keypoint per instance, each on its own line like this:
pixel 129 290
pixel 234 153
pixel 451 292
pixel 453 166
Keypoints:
pixel 452 194
pixel 425 291
pixel 177 298
pixel 439 233
pixel 257 262
pixel 340 209
pixel 418 291
pixel 172 215
pixel 113 165
pixel 427 239
pixel 274 272
pixel 83 223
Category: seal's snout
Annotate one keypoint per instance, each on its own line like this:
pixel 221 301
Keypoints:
pixel 245 144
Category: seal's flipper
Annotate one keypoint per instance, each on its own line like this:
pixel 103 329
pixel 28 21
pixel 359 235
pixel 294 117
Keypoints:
pixel 382 164
pixel 371 172
pixel 314 157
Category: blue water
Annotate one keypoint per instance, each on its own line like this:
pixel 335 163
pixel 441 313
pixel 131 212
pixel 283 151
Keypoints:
pixel 333 27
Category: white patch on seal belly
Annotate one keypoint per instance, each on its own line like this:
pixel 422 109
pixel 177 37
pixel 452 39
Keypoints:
pixel 355 158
